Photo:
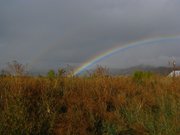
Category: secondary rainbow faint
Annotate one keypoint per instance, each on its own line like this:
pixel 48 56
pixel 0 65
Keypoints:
pixel 94 60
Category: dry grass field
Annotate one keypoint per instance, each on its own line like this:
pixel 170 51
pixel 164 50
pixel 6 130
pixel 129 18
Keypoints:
pixel 95 105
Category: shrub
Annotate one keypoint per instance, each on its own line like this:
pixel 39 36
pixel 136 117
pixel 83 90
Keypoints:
pixel 140 76
pixel 51 73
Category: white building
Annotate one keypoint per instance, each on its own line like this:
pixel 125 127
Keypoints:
pixel 174 73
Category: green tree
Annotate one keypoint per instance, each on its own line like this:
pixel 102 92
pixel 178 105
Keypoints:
pixel 51 73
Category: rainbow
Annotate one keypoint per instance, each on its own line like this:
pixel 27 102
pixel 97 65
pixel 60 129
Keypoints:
pixel 94 60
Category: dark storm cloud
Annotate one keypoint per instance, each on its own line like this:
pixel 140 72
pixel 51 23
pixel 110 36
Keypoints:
pixel 72 31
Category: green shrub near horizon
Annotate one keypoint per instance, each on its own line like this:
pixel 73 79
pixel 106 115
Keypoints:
pixel 51 73
pixel 139 76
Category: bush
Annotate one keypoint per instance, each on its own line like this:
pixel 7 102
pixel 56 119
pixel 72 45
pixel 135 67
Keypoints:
pixel 51 73
pixel 140 76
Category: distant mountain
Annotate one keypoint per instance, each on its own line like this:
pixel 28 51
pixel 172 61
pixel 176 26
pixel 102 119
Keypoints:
pixel 126 71
pixel 131 70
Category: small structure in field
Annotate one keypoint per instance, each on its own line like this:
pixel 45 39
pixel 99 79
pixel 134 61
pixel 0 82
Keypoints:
pixel 175 73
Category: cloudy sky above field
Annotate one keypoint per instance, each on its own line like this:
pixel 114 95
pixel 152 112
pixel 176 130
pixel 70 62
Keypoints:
pixel 53 33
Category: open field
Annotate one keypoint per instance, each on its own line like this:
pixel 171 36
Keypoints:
pixel 98 105
pixel 89 67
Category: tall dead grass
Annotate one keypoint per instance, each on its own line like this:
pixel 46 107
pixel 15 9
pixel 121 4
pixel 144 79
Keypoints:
pixel 101 105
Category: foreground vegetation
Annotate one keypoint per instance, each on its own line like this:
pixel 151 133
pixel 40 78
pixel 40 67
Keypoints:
pixel 143 104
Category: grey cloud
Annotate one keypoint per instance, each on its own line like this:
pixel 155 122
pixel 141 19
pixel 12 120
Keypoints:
pixel 72 31
pixel 156 55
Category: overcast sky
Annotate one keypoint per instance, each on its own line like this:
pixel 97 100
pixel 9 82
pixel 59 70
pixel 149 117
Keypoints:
pixel 52 33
